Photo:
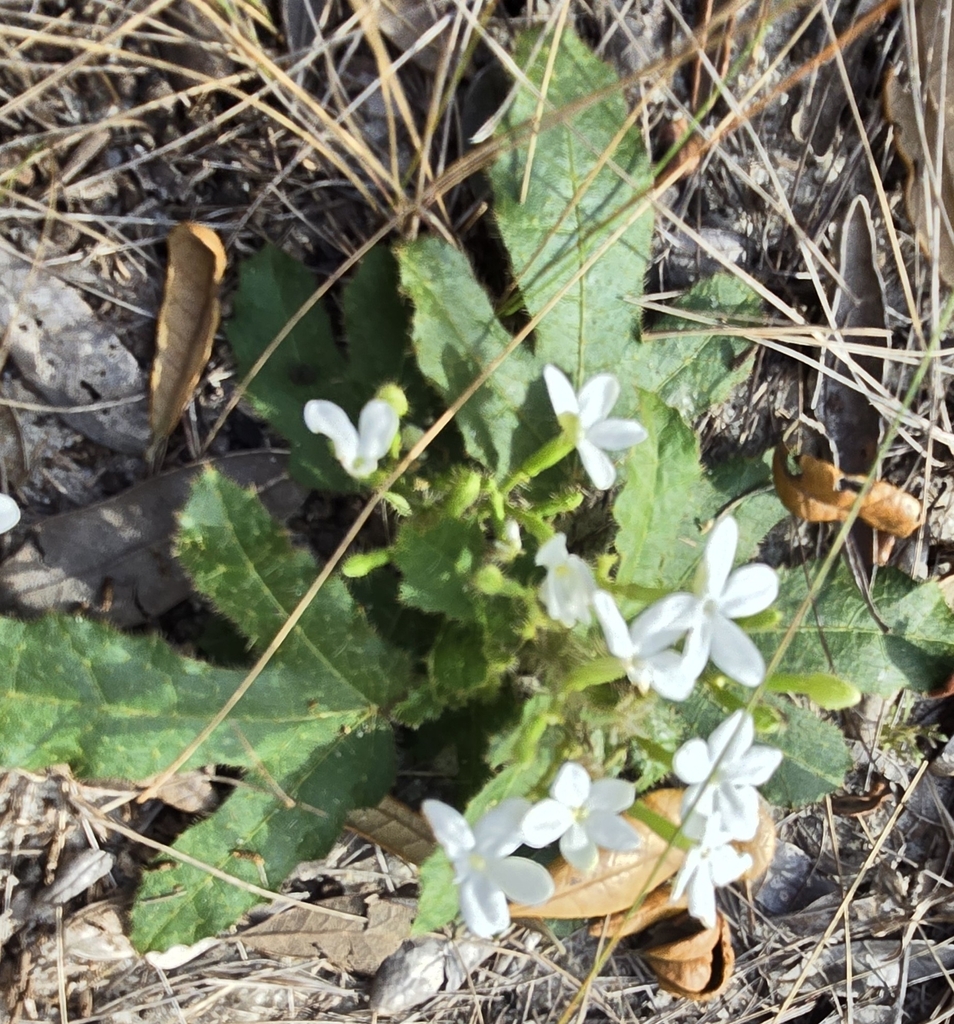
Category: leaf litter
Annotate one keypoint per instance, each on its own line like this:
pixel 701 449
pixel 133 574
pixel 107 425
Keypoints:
pixel 179 171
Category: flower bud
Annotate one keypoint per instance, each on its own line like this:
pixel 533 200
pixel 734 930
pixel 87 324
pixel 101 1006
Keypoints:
pixel 395 397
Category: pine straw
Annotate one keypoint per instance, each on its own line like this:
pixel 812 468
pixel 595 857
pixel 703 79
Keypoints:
pixel 115 124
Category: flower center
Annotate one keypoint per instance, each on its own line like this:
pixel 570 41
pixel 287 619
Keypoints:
pixel 477 862
pixel 570 425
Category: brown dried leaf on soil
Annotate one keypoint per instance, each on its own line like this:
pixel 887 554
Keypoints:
pixel 394 827
pixel 186 326
pixel 115 559
pixel 359 947
pixel 69 358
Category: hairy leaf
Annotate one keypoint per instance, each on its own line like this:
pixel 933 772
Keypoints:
pixel 917 653
pixel 584 186
pixel 456 335
pixel 689 369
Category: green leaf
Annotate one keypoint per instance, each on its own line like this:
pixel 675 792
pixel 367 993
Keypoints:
pixel 456 335
pixel 307 364
pixel 244 563
pixel 254 835
pixel 438 561
pixel 551 237
pixel 827 691
pixel 658 540
pixel 690 370
pixel 917 653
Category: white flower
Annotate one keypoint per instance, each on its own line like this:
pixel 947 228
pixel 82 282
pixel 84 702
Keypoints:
pixel 583 815
pixel 706 615
pixel 509 544
pixel 569 587
pixel 9 513
pixel 485 874
pixel 359 450
pixel 584 418
pixel 644 650
pixel 711 862
pixel 722 775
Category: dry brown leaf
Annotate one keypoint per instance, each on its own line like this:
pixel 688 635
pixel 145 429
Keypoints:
pixel 358 946
pixel 620 878
pixel 396 828
pixel 689 960
pixel 817 494
pixel 122 547
pixel 929 185
pixel 657 906
pixel 186 326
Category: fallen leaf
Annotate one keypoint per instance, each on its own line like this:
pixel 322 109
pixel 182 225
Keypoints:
pixel 690 960
pixel 69 358
pixel 186 326
pixel 853 805
pixel 620 878
pixel 356 946
pixel 931 51
pixel 821 493
pixel 395 827
pixel 123 546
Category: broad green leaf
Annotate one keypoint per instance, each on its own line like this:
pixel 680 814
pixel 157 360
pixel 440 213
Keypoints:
pixel 456 335
pixel 657 509
pixel 691 370
pixel 437 561
pixel 245 564
pixel 307 364
pixel 582 190
pixel 916 653
pixel 254 835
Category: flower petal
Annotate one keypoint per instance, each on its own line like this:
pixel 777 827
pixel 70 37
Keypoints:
pixel 611 795
pixel 522 879
pixel 450 828
pixel 615 435
pixel 677 612
pixel 734 653
pixel 552 552
pixel 498 833
pixel 691 761
pixel 597 464
pixel 698 646
pixel 671 676
pixel 326 418
pixel 726 864
pixel 730 739
pixel 718 557
pixel 9 513
pixel 759 764
pixel 377 425
pixel 562 396
pixel 597 398
pixel 614 625
pixel 545 822
pixel 749 590
pixel 483 906
pixel 653 630
pixel 577 848
pixel 571 785
pixel 611 832
pixel 702 898
pixel 739 810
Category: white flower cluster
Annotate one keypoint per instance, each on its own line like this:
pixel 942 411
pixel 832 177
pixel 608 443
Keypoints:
pixel 703 618
pixel 581 814
pixel 720 805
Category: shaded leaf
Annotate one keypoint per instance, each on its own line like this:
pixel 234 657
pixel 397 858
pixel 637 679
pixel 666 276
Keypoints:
pixel 456 335
pixel 121 548
pixel 395 827
pixel 185 326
